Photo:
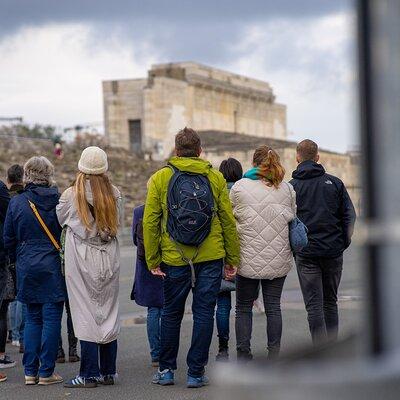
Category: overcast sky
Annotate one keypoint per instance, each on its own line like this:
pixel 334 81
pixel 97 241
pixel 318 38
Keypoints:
pixel 55 54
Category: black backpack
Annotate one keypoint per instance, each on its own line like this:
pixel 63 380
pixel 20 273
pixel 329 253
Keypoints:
pixel 190 203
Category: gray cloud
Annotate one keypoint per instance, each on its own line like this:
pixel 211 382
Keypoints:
pixel 16 13
pixel 178 29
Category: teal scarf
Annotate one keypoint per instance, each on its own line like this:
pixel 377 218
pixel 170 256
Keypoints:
pixel 254 174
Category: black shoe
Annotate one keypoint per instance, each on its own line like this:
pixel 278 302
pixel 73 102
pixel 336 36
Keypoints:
pixel 21 348
pixel 223 354
pixel 244 356
pixel 107 380
pixel 60 356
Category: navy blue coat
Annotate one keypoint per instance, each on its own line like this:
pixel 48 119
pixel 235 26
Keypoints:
pixel 325 207
pixel 39 278
pixel 147 289
pixel 4 200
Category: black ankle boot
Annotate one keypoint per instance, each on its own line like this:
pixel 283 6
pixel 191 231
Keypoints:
pixel 244 356
pixel 223 351
pixel 60 356
pixel 73 353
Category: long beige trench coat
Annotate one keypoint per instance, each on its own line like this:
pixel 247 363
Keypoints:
pixel 91 272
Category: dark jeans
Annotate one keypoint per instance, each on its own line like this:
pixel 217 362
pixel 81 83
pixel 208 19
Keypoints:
pixel 98 359
pixel 3 325
pixel 153 331
pixel 246 293
pixel 42 330
pixel 224 305
pixel 319 281
pixel 177 285
pixel 72 340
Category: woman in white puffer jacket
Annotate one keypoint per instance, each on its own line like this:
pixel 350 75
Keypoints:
pixel 263 205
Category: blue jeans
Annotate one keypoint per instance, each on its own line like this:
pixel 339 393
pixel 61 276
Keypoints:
pixel 98 359
pixel 224 305
pixel 17 312
pixel 42 330
pixel 153 331
pixel 177 285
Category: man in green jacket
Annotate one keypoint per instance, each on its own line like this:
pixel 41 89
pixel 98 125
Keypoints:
pixel 218 254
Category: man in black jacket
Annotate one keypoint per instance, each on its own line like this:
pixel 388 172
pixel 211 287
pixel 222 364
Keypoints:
pixel 325 207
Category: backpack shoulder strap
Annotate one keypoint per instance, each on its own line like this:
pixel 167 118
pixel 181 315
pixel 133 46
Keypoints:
pixel 44 226
pixel 172 168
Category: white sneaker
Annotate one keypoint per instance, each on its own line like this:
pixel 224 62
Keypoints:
pixel 15 343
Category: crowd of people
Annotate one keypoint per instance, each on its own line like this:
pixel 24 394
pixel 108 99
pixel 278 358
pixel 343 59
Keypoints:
pixel 201 230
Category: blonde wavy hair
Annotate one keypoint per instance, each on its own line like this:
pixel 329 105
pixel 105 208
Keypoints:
pixel 269 165
pixel 104 210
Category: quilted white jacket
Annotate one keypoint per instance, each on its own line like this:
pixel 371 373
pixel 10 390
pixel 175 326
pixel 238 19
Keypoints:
pixel 262 216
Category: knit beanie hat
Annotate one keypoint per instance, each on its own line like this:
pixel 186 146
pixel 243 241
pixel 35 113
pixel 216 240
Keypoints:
pixel 93 161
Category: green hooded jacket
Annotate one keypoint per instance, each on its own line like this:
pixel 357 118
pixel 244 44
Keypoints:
pixel 222 242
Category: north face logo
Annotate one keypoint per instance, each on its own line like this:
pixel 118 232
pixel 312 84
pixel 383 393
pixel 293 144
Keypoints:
pixel 328 182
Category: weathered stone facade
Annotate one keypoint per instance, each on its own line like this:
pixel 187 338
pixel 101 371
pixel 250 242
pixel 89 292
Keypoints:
pixel 144 114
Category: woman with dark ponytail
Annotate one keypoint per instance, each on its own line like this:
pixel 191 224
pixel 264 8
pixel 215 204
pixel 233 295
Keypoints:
pixel 263 205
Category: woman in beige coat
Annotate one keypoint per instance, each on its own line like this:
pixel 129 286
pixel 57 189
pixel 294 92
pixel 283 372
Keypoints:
pixel 89 211
pixel 263 206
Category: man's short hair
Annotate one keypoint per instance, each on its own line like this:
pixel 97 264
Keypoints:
pixel 307 150
pixel 187 143
pixel 15 174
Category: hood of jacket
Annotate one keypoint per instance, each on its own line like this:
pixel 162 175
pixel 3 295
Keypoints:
pixel 44 197
pixel 308 170
pixel 195 165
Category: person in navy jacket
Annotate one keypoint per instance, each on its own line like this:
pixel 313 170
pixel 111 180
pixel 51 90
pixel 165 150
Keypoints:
pixel 40 284
pixel 5 361
pixel 147 289
pixel 325 207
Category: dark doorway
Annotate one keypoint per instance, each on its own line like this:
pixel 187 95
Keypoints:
pixel 135 135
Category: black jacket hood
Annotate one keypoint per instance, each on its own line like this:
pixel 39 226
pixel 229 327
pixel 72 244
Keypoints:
pixel 308 170
pixel 44 197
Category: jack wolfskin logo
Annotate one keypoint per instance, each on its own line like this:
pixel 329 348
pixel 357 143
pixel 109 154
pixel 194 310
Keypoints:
pixel 328 182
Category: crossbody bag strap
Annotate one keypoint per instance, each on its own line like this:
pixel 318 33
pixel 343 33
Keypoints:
pixel 44 226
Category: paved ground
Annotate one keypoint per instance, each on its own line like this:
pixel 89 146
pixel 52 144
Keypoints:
pixel 133 361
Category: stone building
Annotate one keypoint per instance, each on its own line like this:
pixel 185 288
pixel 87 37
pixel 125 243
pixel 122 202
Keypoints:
pixel 143 115
pixel 233 114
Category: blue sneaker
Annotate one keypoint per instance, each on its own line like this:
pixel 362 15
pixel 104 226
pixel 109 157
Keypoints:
pixel 164 378
pixel 194 382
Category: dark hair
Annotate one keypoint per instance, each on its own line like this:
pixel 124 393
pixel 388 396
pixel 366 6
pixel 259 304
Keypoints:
pixel 15 174
pixel 269 165
pixel 187 143
pixel 231 170
pixel 307 150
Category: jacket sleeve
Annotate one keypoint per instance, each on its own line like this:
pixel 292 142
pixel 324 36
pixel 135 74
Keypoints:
pixel 9 235
pixel 63 208
pixel 228 223
pixel 152 224
pixel 348 216
pixel 4 200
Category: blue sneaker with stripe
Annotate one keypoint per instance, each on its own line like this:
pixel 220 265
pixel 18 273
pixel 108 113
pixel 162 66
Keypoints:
pixel 164 378
pixel 197 382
